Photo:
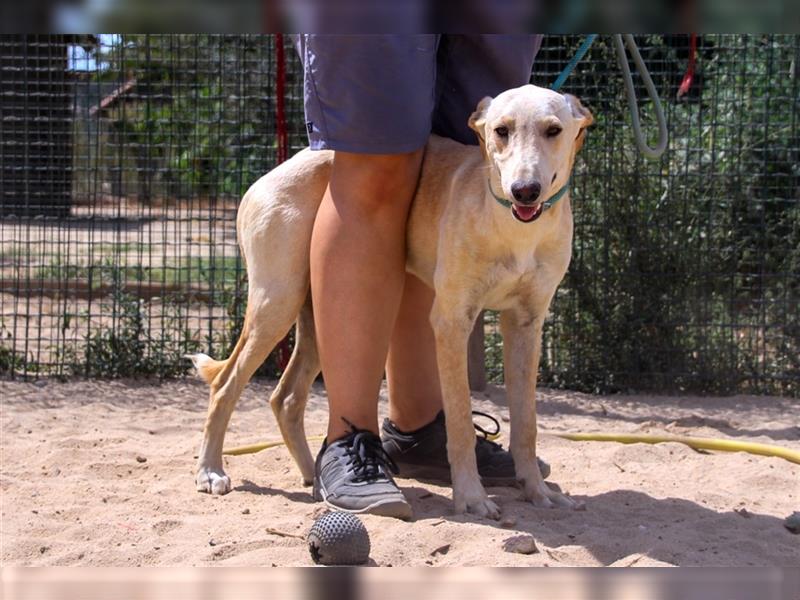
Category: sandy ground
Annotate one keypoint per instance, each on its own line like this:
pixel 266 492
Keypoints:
pixel 101 474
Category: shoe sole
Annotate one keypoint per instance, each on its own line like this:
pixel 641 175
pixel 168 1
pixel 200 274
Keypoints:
pixel 399 509
pixel 427 474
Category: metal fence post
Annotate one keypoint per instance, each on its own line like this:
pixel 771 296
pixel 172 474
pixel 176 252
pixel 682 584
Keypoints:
pixel 476 361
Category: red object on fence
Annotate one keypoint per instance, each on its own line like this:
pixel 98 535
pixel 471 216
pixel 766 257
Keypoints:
pixel 689 75
pixel 280 99
pixel 284 348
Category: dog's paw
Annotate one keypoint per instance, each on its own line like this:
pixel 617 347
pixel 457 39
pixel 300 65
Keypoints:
pixel 477 504
pixel 212 481
pixel 543 496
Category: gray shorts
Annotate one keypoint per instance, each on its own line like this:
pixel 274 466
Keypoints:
pixel 385 94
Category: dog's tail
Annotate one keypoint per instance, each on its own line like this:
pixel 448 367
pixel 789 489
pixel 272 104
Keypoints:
pixel 206 367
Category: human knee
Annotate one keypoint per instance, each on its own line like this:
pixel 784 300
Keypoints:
pixel 375 183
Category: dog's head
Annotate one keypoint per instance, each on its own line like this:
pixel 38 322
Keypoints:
pixel 530 136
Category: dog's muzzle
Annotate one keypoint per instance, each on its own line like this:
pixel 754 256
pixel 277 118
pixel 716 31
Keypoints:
pixel 527 214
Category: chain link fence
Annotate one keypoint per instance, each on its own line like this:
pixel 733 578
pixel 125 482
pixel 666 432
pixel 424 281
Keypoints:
pixel 123 157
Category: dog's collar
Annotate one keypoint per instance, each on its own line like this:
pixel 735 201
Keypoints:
pixel 549 203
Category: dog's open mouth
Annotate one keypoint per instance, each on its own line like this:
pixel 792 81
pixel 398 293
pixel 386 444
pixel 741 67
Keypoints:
pixel 526 214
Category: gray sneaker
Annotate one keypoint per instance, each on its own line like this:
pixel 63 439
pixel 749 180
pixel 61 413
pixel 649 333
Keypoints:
pixel 353 474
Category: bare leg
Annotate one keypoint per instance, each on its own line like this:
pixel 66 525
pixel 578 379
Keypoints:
pixel 411 369
pixel 357 276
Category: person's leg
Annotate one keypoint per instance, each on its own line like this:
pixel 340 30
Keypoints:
pixel 368 98
pixel 357 276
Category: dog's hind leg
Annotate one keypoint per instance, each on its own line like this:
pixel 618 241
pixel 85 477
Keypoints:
pixel 288 401
pixel 266 322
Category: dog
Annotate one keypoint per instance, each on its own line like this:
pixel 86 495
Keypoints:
pixel 480 233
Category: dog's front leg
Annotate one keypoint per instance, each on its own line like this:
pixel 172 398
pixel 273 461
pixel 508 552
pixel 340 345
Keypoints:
pixel 522 337
pixel 452 324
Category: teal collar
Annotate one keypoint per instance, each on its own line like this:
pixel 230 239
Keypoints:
pixel 549 203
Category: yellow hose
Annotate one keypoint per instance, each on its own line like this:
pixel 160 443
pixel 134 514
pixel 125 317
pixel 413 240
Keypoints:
pixel 622 438
pixel 253 448
pixel 693 442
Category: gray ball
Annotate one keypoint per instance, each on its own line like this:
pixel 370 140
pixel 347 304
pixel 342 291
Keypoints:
pixel 338 538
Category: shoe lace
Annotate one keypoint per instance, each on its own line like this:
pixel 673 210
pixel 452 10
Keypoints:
pixel 487 434
pixel 367 456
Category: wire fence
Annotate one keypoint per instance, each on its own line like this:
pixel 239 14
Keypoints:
pixel 123 157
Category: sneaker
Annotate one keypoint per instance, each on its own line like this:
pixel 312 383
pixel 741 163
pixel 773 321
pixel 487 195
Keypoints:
pixel 422 454
pixel 353 475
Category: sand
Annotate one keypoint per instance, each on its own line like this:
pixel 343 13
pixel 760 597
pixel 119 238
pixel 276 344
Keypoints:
pixel 101 474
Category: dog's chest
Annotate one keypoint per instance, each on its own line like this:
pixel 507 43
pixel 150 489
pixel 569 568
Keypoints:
pixel 518 279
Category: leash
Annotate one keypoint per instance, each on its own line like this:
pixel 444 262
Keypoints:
pixel 630 92
pixel 633 105
pixel 584 48
pixel 638 135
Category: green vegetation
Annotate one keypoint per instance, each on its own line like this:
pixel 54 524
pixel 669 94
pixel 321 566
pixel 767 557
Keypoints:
pixel 199 118
pixel 685 274
pixel 11 362
pixel 129 348
pixel 220 271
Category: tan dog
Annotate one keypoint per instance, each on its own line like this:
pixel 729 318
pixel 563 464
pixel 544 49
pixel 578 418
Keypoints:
pixel 471 249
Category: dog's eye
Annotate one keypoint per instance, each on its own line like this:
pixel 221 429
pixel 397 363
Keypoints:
pixel 552 131
pixel 502 131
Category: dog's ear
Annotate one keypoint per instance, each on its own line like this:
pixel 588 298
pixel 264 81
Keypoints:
pixel 579 111
pixel 582 115
pixel 477 121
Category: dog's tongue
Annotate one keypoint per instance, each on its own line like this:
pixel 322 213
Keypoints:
pixel 526 213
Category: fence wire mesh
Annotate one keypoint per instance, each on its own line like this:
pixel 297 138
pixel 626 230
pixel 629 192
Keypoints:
pixel 123 157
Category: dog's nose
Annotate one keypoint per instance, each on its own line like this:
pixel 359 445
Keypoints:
pixel 526 192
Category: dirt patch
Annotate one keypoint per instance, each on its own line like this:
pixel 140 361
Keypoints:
pixel 75 493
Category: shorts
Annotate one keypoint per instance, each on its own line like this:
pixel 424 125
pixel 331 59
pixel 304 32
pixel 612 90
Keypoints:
pixel 385 94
